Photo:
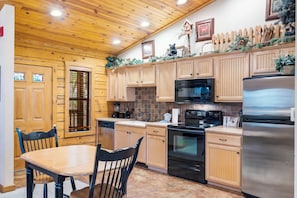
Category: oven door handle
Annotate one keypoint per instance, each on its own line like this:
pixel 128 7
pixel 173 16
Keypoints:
pixel 201 132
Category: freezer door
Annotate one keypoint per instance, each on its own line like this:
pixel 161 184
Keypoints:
pixel 268 96
pixel 268 160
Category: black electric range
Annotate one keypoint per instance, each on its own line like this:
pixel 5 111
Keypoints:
pixel 186 144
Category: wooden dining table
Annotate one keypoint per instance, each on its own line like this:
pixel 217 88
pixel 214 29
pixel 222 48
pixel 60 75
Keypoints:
pixel 60 163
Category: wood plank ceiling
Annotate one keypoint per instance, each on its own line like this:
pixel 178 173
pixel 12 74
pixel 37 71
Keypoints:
pixel 91 25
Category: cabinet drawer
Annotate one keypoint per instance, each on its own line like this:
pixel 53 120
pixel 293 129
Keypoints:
pixel 160 131
pixel 130 129
pixel 231 140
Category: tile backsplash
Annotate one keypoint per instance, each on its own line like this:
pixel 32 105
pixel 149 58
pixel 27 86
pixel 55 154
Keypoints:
pixel 146 108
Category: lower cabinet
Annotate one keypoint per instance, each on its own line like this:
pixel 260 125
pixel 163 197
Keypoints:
pixel 223 159
pixel 127 136
pixel 157 148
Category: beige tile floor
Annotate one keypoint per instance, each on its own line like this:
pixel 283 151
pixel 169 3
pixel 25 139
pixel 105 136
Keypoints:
pixel 144 183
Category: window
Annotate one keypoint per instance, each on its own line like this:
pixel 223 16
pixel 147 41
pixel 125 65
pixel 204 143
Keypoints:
pixel 79 101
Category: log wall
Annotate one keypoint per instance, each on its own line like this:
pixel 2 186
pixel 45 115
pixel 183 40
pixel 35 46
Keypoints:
pixel 41 54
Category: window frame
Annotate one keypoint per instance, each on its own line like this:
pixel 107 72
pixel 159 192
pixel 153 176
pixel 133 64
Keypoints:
pixel 78 67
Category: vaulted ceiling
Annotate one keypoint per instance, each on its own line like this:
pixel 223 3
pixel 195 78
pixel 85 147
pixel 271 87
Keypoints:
pixel 91 25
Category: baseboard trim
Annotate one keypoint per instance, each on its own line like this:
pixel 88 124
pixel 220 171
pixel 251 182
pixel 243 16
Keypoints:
pixel 4 189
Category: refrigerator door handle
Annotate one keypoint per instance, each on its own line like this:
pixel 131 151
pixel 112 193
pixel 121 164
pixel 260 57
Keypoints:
pixel 292 116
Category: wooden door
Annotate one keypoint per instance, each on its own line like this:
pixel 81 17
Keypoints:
pixel 165 77
pixel 148 75
pixel 134 136
pixel 229 73
pixel 133 78
pixel 156 151
pixel 112 86
pixel 224 165
pixel 32 102
pixel 184 69
pixel 203 67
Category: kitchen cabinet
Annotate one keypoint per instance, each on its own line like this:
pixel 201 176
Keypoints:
pixel 141 76
pixel 223 158
pixel 195 68
pixel 262 61
pixel 165 77
pixel 116 86
pixel 157 147
pixel 126 136
pixel 229 72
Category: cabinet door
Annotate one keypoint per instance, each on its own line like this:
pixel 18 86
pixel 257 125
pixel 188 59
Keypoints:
pixel 229 72
pixel 148 75
pixel 184 69
pixel 165 77
pixel 121 139
pixel 263 62
pixel 156 152
pixel 121 85
pixel 112 87
pixel 223 165
pixel 133 78
pixel 142 150
pixel 203 67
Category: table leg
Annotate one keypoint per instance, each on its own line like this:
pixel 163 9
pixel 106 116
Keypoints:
pixel 29 178
pixel 59 186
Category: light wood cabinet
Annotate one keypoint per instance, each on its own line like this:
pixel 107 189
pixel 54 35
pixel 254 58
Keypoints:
pixel 185 69
pixel 126 136
pixel 116 86
pixel 229 73
pixel 157 148
pixel 203 67
pixel 223 159
pixel 165 77
pixel 262 62
pixel 141 76
pixel 194 68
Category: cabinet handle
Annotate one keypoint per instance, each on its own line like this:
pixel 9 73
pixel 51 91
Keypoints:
pixel 141 81
pixel 163 140
pixel 237 153
pixel 191 74
pixel 155 131
pixel 217 96
pixel 136 81
pixel 197 74
pixel 223 140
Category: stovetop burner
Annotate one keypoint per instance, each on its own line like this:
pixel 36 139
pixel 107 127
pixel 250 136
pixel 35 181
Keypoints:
pixel 200 119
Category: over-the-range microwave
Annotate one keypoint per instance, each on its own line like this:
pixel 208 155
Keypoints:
pixel 194 91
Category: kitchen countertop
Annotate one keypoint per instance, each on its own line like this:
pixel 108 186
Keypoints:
pixel 113 119
pixel 136 123
pixel 226 130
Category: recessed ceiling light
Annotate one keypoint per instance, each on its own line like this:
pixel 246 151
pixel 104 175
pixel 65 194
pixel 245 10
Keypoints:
pixel 56 13
pixel 116 42
pixel 180 2
pixel 145 24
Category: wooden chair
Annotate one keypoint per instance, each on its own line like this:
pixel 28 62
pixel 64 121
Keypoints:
pixel 36 141
pixel 118 166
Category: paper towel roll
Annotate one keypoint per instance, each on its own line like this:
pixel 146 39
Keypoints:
pixel 175 113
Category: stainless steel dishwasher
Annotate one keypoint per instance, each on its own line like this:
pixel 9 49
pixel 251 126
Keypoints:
pixel 105 134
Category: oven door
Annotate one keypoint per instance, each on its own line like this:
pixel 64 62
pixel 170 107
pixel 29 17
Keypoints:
pixel 186 154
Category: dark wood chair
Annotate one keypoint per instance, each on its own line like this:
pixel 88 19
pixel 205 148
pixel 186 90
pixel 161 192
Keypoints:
pixel 113 179
pixel 36 141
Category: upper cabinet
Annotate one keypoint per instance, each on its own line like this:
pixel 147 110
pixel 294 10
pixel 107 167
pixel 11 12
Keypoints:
pixel 141 76
pixel 194 68
pixel 262 61
pixel 116 86
pixel 229 71
pixel 165 77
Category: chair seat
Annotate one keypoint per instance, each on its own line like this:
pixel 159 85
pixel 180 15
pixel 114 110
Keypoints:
pixel 42 179
pixel 84 192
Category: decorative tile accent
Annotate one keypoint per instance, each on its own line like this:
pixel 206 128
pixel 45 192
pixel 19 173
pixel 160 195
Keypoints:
pixel 146 108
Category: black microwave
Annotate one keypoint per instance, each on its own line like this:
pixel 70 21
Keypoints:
pixel 194 91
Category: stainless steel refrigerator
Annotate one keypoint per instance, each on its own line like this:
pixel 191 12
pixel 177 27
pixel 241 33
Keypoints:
pixel 268 137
